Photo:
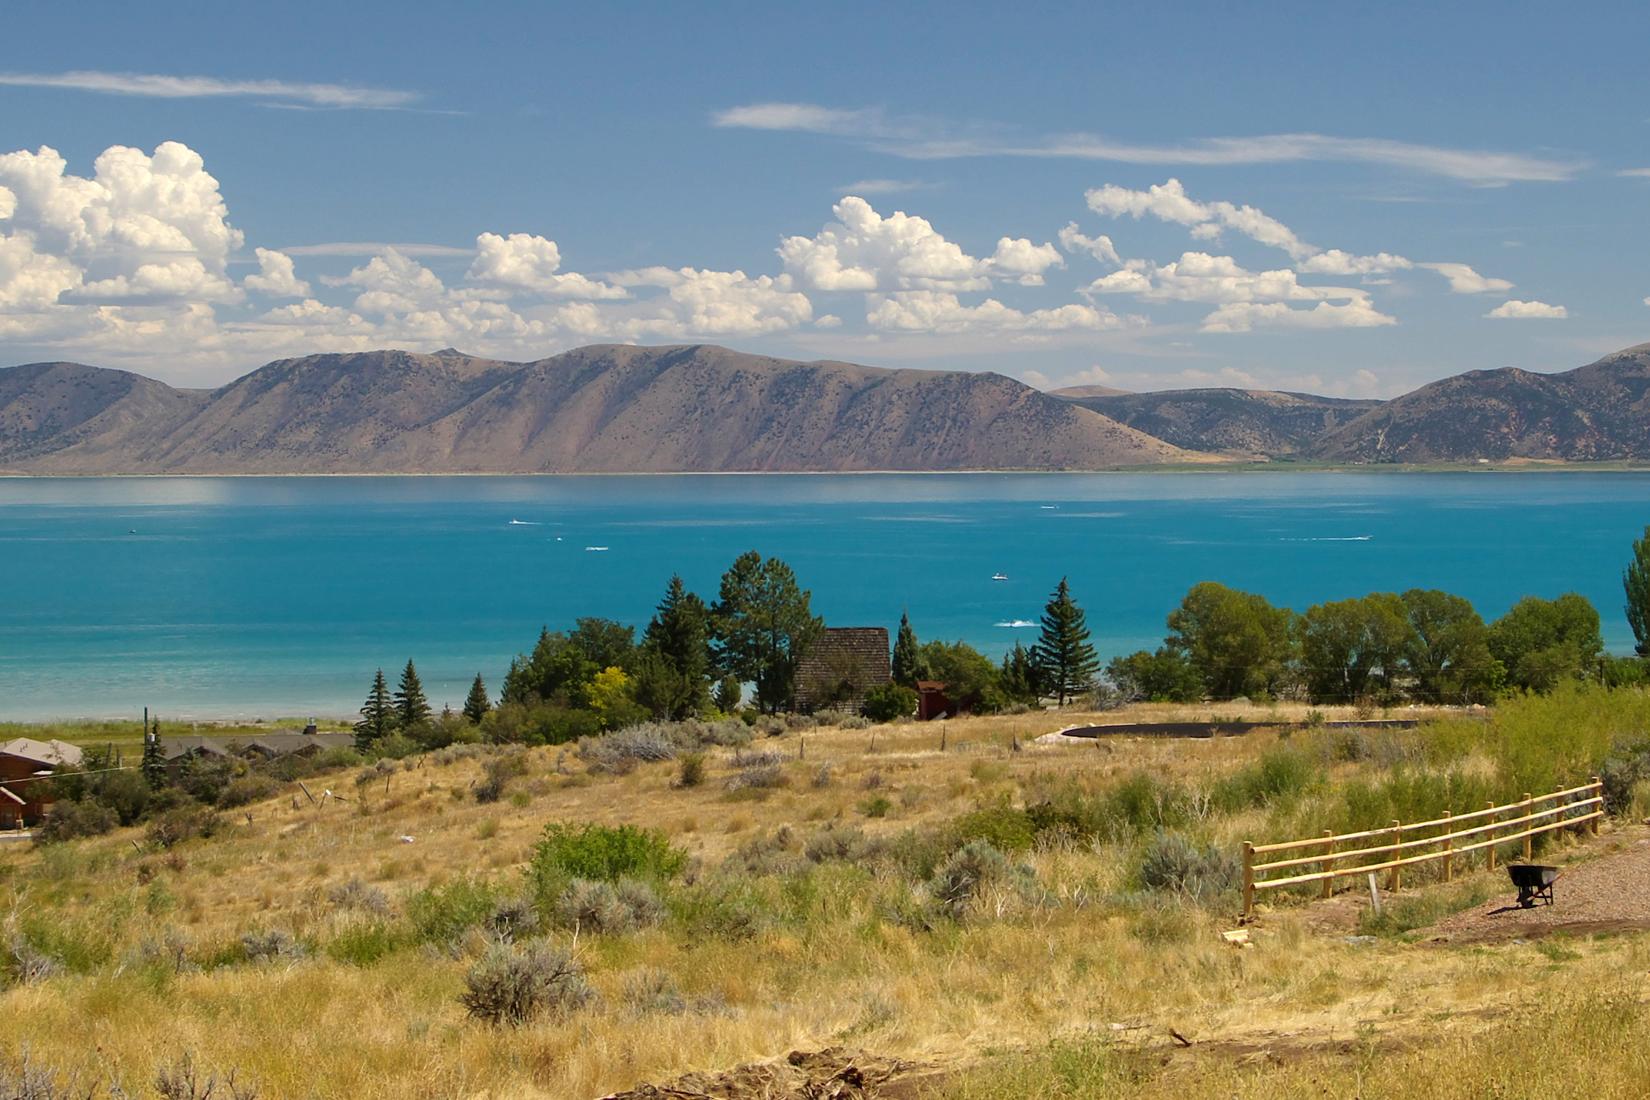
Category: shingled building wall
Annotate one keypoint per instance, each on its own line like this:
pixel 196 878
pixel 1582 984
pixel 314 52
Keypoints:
pixel 842 664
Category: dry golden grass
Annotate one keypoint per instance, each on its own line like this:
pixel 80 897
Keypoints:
pixel 1011 978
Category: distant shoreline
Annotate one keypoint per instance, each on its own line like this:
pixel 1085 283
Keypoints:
pixel 1516 466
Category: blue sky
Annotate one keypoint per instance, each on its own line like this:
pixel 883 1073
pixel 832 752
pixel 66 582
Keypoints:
pixel 1277 196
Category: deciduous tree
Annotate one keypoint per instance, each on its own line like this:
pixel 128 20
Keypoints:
pixel 762 625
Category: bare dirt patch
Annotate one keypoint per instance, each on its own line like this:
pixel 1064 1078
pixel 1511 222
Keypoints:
pixel 1610 893
pixel 835 1073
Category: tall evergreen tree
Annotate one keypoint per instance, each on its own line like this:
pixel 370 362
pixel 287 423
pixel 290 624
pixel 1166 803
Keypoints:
pixel 154 757
pixel 411 707
pixel 1019 675
pixel 1636 580
pixel 1065 661
pixel 476 704
pixel 377 714
pixel 907 662
pixel 673 672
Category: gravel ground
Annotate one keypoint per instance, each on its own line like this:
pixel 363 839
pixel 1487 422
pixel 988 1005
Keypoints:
pixel 1605 894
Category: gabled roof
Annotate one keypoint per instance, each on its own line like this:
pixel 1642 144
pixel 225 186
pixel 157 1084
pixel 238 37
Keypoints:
pixel 174 747
pixel 52 753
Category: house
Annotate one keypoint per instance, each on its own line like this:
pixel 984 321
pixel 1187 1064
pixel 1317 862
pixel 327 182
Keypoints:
pixel 274 745
pixel 932 702
pixel 24 765
pixel 841 665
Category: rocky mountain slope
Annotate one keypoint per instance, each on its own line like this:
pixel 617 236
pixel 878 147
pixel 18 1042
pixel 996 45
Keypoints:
pixel 1593 413
pixel 1238 422
pixel 606 408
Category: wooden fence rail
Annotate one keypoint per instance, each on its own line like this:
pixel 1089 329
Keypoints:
pixel 1417 842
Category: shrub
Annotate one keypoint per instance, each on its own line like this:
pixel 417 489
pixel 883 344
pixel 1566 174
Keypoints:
pixel 23 962
pixel 246 789
pixel 70 820
pixel 758 773
pixel 365 944
pixel 272 946
pixel 840 843
pixel 1621 774
pixel 513 918
pixel 510 985
pixel 441 914
pixel 355 894
pixel 184 823
pixel 1141 803
pixel 496 775
pixel 1006 828
pixel 726 907
pixel 600 853
pixel 959 880
pixel 609 908
pixel 617 752
pixel 693 770
pixel 876 806
pixel 886 702
pixel 1278 777
pixel 1199 872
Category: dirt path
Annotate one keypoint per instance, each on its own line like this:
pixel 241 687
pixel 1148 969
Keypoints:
pixel 1610 893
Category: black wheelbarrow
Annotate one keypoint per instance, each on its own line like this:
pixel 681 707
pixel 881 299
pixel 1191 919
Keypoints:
pixel 1534 882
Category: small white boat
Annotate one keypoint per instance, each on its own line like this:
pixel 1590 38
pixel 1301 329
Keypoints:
pixel 999 576
pixel 596 549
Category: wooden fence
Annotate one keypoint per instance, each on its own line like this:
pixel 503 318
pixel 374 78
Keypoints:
pixel 1407 845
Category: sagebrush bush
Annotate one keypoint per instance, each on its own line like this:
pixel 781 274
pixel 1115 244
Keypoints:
pixel 960 878
pixel 511 984
pixel 1008 829
pixel 513 918
pixel 622 750
pixel 353 893
pixel 609 908
pixel 272 945
pixel 443 913
pixel 1174 863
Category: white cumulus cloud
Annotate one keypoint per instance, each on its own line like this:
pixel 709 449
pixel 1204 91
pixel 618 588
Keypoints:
pixel 275 276
pixel 1464 280
pixel 1245 316
pixel 943 312
pixel 1514 309
pixel 526 262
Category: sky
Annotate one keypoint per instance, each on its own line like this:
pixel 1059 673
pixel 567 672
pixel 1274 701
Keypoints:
pixel 1292 196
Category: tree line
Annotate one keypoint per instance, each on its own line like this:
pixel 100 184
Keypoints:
pixel 694 657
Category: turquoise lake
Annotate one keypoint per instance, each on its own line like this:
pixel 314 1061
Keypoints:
pixel 217 597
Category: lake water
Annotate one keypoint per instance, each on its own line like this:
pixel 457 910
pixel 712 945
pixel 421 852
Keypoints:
pixel 216 597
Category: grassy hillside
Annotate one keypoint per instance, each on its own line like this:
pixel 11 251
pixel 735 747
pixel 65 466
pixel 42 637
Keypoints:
pixel 834 894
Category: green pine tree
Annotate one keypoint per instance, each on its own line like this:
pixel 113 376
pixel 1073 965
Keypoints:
pixel 1636 580
pixel 377 715
pixel 907 663
pixel 1065 661
pixel 411 707
pixel 1019 676
pixel 154 757
pixel 674 669
pixel 476 704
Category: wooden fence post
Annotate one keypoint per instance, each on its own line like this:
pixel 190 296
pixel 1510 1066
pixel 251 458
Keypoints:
pixel 1449 847
pixel 1489 850
pixel 1529 847
pixel 1596 792
pixel 1397 853
pixel 1329 861
pixel 1248 880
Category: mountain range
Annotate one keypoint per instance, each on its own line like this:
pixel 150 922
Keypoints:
pixel 620 408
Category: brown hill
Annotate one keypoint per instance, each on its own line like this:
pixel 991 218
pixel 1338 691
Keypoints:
pixel 1228 421
pixel 1597 412
pixel 84 413
pixel 606 408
